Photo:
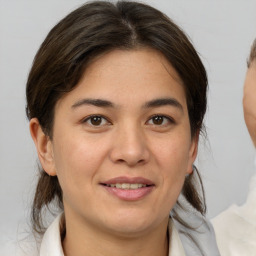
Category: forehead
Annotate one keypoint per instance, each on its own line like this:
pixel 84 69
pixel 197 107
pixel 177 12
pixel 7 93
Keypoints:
pixel 250 79
pixel 129 75
pixel 251 72
pixel 253 64
pixel 132 60
pixel 252 57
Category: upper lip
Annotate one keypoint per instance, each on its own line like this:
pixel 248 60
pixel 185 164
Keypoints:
pixel 128 180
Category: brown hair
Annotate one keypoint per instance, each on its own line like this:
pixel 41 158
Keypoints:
pixel 87 32
pixel 252 56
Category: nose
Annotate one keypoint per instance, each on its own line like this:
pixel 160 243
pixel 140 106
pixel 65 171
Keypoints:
pixel 130 147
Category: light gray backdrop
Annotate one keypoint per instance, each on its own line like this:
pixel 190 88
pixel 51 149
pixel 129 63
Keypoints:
pixel 222 32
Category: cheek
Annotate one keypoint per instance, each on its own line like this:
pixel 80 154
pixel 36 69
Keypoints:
pixel 173 154
pixel 173 160
pixel 76 161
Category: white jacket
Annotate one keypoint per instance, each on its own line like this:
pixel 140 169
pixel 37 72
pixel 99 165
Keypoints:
pixel 236 227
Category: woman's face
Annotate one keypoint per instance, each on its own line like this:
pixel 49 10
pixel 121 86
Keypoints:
pixel 121 143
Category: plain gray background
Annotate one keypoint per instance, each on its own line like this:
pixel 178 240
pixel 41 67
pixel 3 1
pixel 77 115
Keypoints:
pixel 222 32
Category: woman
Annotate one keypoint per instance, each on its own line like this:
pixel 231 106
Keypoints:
pixel 236 226
pixel 116 98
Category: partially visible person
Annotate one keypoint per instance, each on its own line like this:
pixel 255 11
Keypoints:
pixel 249 100
pixel 235 228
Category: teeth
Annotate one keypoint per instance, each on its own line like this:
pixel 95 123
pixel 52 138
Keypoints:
pixel 127 186
pixel 118 185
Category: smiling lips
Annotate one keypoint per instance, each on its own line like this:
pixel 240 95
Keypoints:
pixel 127 186
pixel 129 189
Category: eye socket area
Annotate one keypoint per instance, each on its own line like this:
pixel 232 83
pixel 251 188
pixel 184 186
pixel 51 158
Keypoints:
pixel 157 120
pixel 160 120
pixel 96 121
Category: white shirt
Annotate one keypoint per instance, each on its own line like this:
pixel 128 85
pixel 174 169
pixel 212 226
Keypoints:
pixel 235 228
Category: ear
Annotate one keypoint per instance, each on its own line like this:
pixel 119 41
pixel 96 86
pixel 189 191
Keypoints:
pixel 193 152
pixel 43 146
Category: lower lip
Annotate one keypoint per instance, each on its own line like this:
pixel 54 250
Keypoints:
pixel 130 194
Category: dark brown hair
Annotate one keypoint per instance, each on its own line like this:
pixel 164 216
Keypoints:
pixel 91 30
pixel 252 56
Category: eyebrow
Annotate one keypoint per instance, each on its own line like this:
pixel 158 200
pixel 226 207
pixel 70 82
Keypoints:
pixel 150 104
pixel 94 102
pixel 163 102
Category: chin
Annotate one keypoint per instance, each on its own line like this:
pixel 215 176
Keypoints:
pixel 133 230
pixel 131 224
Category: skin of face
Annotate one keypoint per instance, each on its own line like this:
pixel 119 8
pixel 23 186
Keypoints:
pixel 249 101
pixel 128 118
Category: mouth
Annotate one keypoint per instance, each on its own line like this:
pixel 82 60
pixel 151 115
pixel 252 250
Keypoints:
pixel 129 189
pixel 127 186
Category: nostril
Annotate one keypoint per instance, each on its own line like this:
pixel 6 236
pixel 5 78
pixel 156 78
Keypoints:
pixel 121 160
pixel 131 162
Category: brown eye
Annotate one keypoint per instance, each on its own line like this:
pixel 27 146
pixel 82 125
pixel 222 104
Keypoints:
pixel 158 120
pixel 96 121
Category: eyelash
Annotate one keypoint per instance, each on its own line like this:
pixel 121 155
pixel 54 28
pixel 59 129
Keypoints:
pixel 89 120
pixel 163 118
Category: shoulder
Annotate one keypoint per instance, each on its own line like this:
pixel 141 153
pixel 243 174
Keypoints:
pixel 234 234
pixel 235 228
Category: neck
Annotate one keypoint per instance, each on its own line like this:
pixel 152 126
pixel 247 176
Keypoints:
pixel 87 240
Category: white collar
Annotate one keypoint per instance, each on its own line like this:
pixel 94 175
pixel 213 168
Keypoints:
pixel 175 245
pixel 51 242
